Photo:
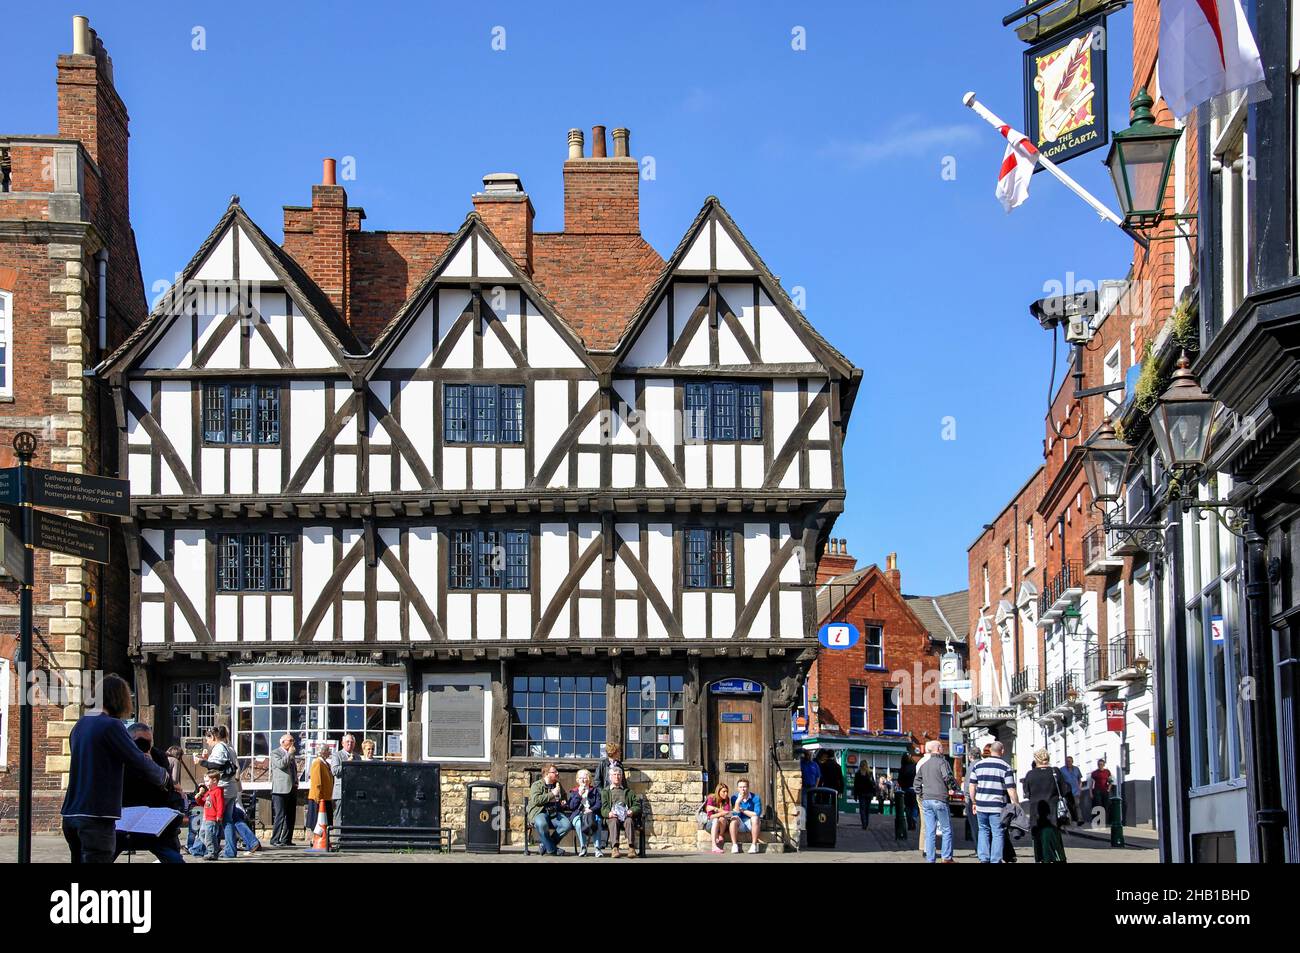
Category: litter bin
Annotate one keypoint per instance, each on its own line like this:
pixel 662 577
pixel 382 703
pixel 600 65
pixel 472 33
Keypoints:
pixel 823 817
pixel 483 817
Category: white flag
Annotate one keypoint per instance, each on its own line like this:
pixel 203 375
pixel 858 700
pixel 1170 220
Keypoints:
pixel 1206 49
pixel 1017 168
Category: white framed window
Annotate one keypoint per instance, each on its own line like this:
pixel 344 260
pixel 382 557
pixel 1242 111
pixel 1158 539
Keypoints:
pixel 1006 566
pixel 6 344
pixel 1029 543
pixel 1112 373
pixel 1230 162
pixel 314 707
pixel 457 716
pixel 985 590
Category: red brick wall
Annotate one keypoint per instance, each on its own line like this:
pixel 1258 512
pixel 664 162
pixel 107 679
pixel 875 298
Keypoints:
pixel 907 652
pixel 602 195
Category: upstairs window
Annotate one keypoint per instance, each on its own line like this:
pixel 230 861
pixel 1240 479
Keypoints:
pixel 6 337
pixel 254 562
pixel 708 559
pixel 857 708
pixel 723 410
pixel 891 710
pixel 483 413
pixel 488 559
pixel 874 638
pixel 241 414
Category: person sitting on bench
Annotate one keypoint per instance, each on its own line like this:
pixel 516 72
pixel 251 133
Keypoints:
pixel 584 813
pixel 547 806
pixel 620 807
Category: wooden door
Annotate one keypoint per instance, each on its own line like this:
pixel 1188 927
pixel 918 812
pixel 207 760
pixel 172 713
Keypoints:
pixel 737 747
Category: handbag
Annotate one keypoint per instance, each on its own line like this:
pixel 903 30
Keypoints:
pixel 1062 811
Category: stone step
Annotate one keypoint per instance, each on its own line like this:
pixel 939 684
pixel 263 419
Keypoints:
pixel 769 842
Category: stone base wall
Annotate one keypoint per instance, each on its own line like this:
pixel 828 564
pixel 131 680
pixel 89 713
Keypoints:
pixel 453 800
pixel 673 796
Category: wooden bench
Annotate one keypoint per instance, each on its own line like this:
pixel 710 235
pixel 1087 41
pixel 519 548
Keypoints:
pixel 568 780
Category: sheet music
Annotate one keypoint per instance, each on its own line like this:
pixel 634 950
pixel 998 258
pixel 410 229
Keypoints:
pixel 146 820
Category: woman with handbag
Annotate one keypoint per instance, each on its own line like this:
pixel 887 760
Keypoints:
pixel 1045 793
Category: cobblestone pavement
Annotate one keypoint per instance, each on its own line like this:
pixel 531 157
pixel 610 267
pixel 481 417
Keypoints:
pixel 853 845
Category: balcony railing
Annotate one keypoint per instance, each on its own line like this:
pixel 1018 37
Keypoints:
pixel 1025 683
pixel 1128 655
pixel 1098 555
pixel 1060 695
pixel 1065 588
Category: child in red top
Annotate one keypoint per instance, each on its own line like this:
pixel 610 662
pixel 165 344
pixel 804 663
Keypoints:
pixel 214 804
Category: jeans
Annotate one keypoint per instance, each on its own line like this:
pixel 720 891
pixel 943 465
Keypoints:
pixel 210 832
pixel 864 811
pixel 988 844
pixel 550 831
pixel 228 826
pixel 284 807
pixel 585 827
pixel 937 816
pixel 91 840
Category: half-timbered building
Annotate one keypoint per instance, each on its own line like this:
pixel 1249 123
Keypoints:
pixel 490 498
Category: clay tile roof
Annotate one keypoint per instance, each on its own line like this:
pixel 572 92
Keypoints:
pixel 595 280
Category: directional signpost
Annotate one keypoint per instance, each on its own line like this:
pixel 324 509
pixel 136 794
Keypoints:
pixel 23 529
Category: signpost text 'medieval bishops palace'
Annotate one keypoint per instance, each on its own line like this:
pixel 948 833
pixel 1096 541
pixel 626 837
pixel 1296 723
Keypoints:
pixel 490 498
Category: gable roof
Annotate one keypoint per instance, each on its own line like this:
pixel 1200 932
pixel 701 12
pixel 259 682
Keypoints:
pixel 713 209
pixel 305 293
pixel 945 617
pixel 473 225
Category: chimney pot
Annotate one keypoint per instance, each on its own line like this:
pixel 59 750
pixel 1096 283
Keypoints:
pixel 575 143
pixel 502 183
pixel 327 175
pixel 891 561
pixel 621 137
pixel 80 36
pixel 598 142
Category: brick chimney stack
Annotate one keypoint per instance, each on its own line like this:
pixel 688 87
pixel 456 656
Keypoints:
pixel 91 111
pixel 891 571
pixel 601 192
pixel 506 209
pixel 835 561
pixel 317 236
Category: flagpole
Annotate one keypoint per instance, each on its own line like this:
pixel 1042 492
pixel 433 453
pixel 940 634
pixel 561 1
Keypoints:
pixel 994 121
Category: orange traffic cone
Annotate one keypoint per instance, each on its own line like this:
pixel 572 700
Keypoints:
pixel 321 843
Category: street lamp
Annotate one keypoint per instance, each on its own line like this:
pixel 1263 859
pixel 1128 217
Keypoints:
pixel 1139 161
pixel 1105 461
pixel 1071 619
pixel 1182 420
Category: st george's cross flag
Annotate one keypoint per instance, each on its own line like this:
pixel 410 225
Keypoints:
pixel 1017 168
pixel 1206 49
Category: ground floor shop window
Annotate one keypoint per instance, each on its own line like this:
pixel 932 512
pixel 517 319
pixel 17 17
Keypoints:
pixel 315 710
pixel 557 716
pixel 1211 572
pixel 656 727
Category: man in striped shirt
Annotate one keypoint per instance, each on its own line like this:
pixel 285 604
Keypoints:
pixel 990 784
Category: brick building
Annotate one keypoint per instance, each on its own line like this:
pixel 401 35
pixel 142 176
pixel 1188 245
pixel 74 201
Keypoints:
pixel 1071 628
pixel 70 289
pixel 879 700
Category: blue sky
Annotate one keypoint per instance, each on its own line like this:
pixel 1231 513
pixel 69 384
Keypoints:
pixel 830 159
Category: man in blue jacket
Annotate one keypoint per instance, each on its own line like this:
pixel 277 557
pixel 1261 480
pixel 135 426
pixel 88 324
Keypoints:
pixel 101 750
